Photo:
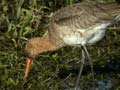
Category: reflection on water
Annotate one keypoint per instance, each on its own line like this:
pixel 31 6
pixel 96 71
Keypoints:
pixel 101 85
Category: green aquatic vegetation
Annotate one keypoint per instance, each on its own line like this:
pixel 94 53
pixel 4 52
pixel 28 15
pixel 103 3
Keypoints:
pixel 23 19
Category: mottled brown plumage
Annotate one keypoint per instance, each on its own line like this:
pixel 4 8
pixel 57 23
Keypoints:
pixel 78 24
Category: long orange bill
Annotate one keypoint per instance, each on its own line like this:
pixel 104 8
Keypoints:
pixel 29 62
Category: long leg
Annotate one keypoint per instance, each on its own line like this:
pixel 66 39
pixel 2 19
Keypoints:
pixel 81 68
pixel 89 60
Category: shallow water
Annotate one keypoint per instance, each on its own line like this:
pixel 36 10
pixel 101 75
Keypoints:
pixel 105 78
pixel 100 85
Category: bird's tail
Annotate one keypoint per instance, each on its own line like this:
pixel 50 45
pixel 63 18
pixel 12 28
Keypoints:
pixel 113 9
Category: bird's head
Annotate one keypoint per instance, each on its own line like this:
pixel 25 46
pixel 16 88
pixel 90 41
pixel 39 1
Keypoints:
pixel 34 47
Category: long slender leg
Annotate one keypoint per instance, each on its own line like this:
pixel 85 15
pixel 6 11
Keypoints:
pixel 81 68
pixel 90 62
pixel 89 58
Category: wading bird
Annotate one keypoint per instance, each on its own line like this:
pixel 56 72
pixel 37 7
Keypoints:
pixel 77 25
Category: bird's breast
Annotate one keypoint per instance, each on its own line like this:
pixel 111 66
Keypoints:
pixel 74 38
pixel 84 36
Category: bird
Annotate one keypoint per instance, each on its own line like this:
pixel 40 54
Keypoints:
pixel 78 25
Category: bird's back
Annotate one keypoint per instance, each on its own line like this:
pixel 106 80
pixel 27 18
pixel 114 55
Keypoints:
pixel 86 14
pixel 81 17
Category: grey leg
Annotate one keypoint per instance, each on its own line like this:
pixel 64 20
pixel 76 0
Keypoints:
pixel 80 71
pixel 89 60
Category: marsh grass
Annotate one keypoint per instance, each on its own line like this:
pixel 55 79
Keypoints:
pixel 23 19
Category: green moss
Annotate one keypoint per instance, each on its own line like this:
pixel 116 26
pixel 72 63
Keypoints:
pixel 20 20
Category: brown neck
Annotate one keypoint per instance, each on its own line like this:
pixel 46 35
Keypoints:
pixel 39 45
pixel 48 45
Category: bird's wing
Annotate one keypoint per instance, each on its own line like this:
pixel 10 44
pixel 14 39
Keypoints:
pixel 83 15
